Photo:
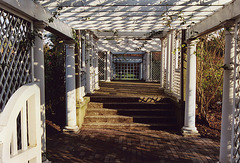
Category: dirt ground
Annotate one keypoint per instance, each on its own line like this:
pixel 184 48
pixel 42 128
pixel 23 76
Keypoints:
pixel 212 128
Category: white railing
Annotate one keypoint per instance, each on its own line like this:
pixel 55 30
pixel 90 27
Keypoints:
pixel 20 139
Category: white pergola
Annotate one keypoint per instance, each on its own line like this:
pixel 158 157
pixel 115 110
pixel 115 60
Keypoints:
pixel 133 16
pixel 157 18
pixel 139 20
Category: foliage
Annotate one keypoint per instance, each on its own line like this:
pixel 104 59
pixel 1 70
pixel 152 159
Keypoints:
pixel 210 51
pixel 54 77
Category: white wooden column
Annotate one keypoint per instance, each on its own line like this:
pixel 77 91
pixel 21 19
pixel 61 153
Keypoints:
pixel 78 71
pixel 88 68
pixel 92 66
pixel 71 123
pixel 227 103
pixel 96 68
pixel 162 65
pixel 83 60
pixel 171 58
pixel 140 71
pixel 147 72
pixel 40 77
pixel 190 104
pixel 168 62
pixel 108 68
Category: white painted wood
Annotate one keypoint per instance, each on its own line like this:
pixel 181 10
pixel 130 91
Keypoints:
pixel 71 123
pixel 215 21
pixel 190 104
pixel 171 62
pixel 14 145
pixel 227 104
pixel 30 94
pixel 37 12
pixel 135 8
pixel 88 68
pixel 162 65
pixel 92 67
pixel 168 61
pixel 39 76
pixel 93 3
pixel 129 45
pixel 97 87
pixel 24 130
pixel 108 67
pixel 147 69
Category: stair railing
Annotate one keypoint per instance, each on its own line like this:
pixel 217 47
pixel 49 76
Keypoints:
pixel 20 137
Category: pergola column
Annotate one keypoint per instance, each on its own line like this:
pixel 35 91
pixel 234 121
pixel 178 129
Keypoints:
pixel 83 63
pixel 96 67
pixel 71 123
pixel 190 105
pixel 227 103
pixel 39 76
pixel 108 69
pixel 147 72
pixel 162 65
pixel 92 66
pixel 170 62
pixel 88 68
pixel 78 68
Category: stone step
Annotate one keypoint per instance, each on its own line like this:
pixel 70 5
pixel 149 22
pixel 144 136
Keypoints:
pixel 95 105
pixel 100 111
pixel 154 119
pixel 137 105
pixel 116 125
pixel 114 99
pixel 108 119
pixel 134 126
pixel 146 112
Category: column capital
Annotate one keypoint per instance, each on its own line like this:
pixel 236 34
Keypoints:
pixel 39 24
pixel 192 42
pixel 69 42
pixel 228 24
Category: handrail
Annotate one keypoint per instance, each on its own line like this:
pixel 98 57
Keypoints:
pixel 20 139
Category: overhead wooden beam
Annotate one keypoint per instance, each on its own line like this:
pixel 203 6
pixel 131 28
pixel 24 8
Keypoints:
pixel 131 14
pixel 215 21
pixel 36 12
pixel 195 8
pixel 93 3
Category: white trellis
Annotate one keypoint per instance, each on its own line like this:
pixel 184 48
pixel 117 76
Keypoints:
pixel 16 56
pixel 236 101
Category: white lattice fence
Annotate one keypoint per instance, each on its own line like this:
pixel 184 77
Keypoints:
pixel 155 66
pixel 101 66
pixel 15 56
pixel 236 118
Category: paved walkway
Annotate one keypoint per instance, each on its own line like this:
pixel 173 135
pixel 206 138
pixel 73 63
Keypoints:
pixel 128 146
pixel 115 146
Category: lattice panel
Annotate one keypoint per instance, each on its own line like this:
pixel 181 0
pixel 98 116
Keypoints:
pixel 101 66
pixel 127 71
pixel 15 56
pixel 236 136
pixel 155 66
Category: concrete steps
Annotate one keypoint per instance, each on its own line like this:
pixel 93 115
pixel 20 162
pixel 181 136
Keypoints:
pixel 128 113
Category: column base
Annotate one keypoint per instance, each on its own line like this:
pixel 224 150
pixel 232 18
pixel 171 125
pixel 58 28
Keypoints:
pixel 190 131
pixel 71 129
pixel 97 88
pixel 161 88
pixel 81 99
pixel 108 80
